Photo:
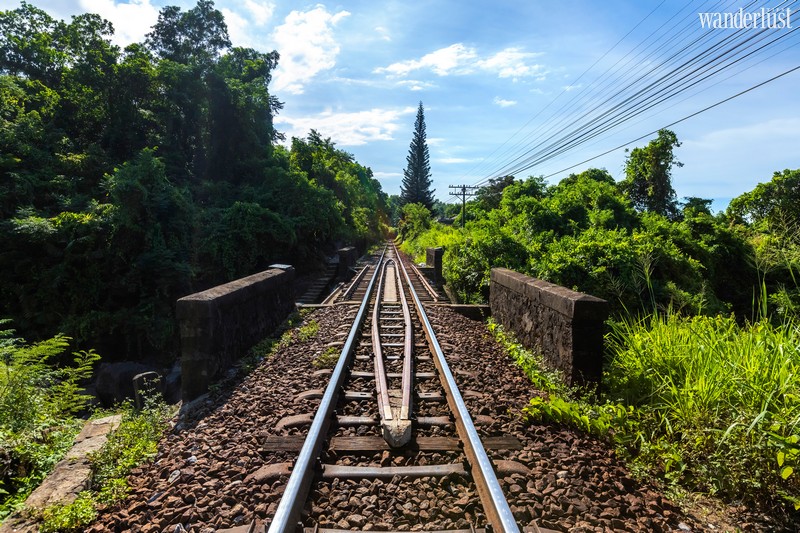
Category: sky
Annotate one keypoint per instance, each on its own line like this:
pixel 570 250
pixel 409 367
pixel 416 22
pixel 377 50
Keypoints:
pixel 497 79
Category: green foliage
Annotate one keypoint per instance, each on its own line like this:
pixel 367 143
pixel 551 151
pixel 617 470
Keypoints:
pixel 100 231
pixel 307 331
pixel 562 404
pixel 776 201
pixel 326 359
pixel 467 264
pixel 39 398
pixel 702 402
pixel 585 234
pixel 415 220
pixel 437 235
pixel 647 175
pixel 360 205
pixel 718 403
pixel 63 518
pixel 134 442
pixel 196 36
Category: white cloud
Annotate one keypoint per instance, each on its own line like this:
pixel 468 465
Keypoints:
pixel 383 33
pixel 731 160
pixel 512 63
pixel 416 85
pixel 443 61
pixel 307 47
pixel 387 175
pixel 569 88
pixel 237 27
pixel 260 11
pixel 458 59
pixel 349 129
pixel 504 103
pixel 132 21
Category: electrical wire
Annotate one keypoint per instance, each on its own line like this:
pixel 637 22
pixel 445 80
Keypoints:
pixel 622 106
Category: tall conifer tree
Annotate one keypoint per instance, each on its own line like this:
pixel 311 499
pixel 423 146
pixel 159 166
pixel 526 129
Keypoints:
pixel 416 187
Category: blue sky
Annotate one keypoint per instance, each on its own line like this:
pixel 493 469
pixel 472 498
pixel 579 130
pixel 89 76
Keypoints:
pixel 356 70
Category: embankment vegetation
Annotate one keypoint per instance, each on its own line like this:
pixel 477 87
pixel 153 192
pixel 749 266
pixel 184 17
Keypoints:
pixel 129 178
pixel 703 351
pixel 132 177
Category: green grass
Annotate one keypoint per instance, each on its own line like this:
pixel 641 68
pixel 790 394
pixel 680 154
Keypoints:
pixel 327 359
pixel 703 403
pixel 719 402
pixel 39 400
pixel 282 337
pixel 133 443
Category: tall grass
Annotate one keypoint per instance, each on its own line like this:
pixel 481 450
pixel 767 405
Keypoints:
pixel 718 403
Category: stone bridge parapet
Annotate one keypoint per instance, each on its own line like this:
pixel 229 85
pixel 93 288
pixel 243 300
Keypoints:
pixel 220 324
pixel 565 326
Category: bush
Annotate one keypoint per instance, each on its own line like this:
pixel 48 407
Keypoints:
pixel 39 398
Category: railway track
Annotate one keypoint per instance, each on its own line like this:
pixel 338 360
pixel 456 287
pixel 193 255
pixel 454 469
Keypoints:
pixel 227 464
pixel 391 416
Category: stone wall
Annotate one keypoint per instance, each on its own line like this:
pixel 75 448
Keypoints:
pixel 565 326
pixel 219 325
pixel 433 258
pixel 348 257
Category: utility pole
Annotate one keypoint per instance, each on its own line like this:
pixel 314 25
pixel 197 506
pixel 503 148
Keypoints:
pixel 463 193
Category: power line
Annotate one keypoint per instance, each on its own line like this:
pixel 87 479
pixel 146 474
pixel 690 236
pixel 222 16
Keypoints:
pixel 684 65
pixel 702 66
pixel 669 35
pixel 687 117
pixel 620 113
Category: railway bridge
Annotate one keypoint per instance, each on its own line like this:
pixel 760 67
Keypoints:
pixel 386 409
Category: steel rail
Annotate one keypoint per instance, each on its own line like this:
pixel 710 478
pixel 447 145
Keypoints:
pixel 494 502
pixel 381 384
pixel 408 350
pixel 395 421
pixel 428 288
pixel 291 505
pixel 354 284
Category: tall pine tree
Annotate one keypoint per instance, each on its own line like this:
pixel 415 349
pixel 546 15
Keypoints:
pixel 416 187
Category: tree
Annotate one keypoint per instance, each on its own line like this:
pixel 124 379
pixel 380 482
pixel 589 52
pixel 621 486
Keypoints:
pixel 416 187
pixel 415 220
pixel 775 201
pixel 648 181
pixel 196 36
pixel 489 196
pixel 694 205
pixel 28 45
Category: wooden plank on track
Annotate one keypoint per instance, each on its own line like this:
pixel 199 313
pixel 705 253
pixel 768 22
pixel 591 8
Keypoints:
pixel 357 421
pixel 378 444
pixel 290 443
pixel 375 472
pixel 293 443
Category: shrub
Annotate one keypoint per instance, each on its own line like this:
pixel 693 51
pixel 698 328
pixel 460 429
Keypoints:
pixel 39 398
